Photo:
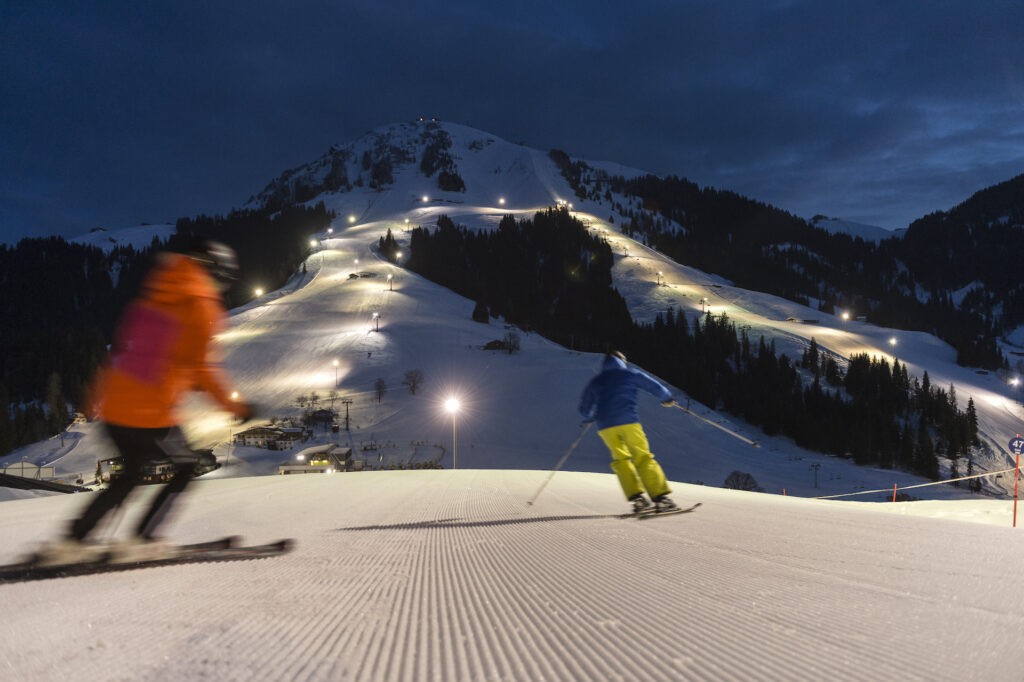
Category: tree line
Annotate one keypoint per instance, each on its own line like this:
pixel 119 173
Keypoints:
pixel 546 274
pixel 60 302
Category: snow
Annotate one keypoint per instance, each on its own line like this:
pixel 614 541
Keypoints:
pixel 448 575
pixel 869 233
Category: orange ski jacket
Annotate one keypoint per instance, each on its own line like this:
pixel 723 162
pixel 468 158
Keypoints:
pixel 163 348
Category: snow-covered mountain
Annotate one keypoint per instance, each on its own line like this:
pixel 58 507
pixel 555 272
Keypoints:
pixel 520 409
pixel 138 237
pixel 869 233
pixel 425 164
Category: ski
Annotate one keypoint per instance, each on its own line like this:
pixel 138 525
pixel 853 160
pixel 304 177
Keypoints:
pixel 222 549
pixel 651 513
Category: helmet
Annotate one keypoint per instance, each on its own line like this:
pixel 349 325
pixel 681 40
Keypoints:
pixel 220 260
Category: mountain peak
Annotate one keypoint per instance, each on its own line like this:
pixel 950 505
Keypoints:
pixel 395 166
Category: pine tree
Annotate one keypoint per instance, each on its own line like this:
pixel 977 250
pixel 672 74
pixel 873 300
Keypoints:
pixel 6 423
pixel 58 407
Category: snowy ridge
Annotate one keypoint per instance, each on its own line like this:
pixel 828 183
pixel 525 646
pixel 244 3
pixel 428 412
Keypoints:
pixel 138 237
pixel 869 233
pixel 447 575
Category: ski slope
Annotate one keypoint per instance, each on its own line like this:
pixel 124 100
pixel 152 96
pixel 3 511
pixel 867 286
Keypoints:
pixel 448 575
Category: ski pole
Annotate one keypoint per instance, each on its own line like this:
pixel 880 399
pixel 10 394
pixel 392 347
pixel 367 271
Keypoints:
pixel 717 426
pixel 559 465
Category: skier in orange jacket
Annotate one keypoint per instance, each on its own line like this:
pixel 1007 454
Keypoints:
pixel 161 350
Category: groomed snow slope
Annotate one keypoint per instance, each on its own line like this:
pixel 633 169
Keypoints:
pixel 448 575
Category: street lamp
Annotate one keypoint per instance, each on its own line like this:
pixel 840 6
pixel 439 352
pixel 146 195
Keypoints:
pixel 258 291
pixel 660 275
pixel 452 406
pixel 391 284
pixel 376 322
pixel 892 344
pixel 704 304
pixel 335 363
pixel 846 316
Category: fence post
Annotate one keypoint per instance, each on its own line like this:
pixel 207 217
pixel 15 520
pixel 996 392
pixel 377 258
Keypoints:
pixel 894 485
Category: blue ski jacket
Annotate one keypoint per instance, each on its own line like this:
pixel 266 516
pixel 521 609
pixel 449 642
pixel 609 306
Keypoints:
pixel 610 398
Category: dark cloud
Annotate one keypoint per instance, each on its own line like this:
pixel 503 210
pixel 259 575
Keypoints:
pixel 117 112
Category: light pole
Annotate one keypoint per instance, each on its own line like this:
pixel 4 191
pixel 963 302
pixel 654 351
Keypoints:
pixel 704 304
pixel 452 405
pixel 892 344
pixel 376 322
pixel 335 363
pixel 391 284
pixel 230 446
pixel 660 275
pixel 346 402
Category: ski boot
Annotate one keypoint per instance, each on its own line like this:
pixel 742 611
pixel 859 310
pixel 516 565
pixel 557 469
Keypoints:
pixel 139 549
pixel 640 503
pixel 67 551
pixel 663 503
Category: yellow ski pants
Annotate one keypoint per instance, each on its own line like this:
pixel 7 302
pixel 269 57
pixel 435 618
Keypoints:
pixel 633 462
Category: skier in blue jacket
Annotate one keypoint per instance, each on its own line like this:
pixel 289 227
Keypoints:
pixel 610 400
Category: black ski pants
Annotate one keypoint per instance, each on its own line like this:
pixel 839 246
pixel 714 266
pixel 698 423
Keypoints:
pixel 138 447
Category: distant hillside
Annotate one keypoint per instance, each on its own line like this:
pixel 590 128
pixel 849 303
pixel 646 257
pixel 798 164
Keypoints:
pixel 907 283
pixel 968 255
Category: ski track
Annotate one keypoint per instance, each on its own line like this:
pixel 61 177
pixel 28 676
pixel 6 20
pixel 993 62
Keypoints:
pixel 467 583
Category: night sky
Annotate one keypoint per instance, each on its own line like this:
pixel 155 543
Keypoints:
pixel 117 113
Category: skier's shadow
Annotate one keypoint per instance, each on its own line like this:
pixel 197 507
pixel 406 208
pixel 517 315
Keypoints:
pixel 466 523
